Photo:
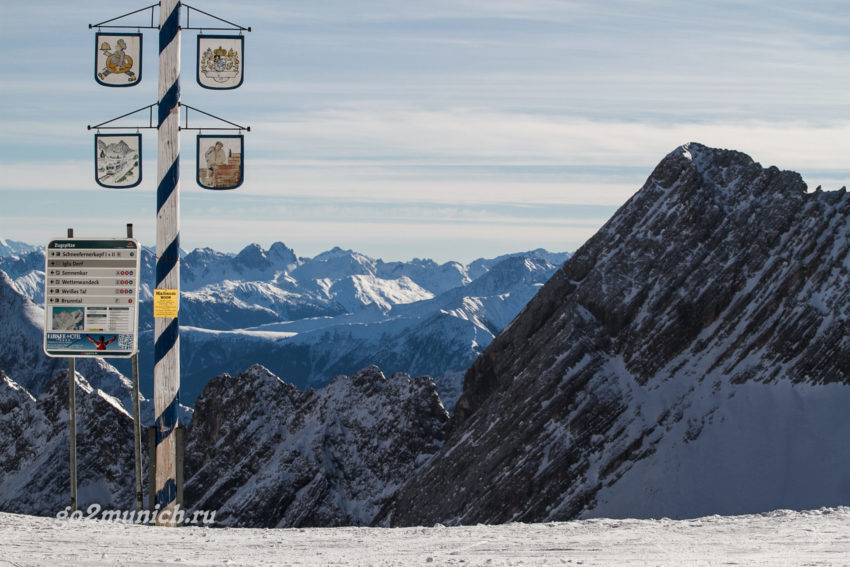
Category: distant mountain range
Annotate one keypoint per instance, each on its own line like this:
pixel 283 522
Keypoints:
pixel 119 149
pixel 12 247
pixel 309 319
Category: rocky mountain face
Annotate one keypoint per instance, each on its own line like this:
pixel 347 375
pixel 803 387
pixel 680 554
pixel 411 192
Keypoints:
pixel 264 454
pixel 691 358
pixel 21 337
pixel 260 452
pixel 34 448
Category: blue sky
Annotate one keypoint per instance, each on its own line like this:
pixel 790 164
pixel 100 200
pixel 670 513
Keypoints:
pixel 443 129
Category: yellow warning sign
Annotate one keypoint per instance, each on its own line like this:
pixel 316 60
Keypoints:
pixel 166 303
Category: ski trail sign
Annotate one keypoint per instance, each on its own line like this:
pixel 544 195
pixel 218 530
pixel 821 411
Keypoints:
pixel 91 297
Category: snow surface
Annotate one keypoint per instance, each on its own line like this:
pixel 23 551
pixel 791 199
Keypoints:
pixel 738 449
pixel 814 538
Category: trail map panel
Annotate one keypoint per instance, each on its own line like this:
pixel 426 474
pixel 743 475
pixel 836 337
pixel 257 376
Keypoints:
pixel 91 297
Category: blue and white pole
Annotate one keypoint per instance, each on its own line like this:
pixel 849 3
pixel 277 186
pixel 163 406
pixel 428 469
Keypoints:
pixel 166 329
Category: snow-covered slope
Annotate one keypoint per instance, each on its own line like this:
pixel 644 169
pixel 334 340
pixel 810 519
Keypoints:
pixel 692 358
pixel 34 448
pixel 21 337
pixel 814 538
pixel 263 453
pixel 14 248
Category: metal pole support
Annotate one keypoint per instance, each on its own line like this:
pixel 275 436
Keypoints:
pixel 72 429
pixel 181 446
pixel 72 420
pixel 152 468
pixel 137 418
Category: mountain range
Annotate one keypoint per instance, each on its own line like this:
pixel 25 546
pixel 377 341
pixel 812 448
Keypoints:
pixel 293 458
pixel 119 149
pixel 13 247
pixel 692 358
pixel 309 319
pixel 344 306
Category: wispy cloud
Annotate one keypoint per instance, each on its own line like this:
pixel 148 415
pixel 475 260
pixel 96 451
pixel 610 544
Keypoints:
pixel 459 136
pixel 434 120
pixel 457 156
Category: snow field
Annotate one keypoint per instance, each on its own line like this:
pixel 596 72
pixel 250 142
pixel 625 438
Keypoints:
pixel 814 538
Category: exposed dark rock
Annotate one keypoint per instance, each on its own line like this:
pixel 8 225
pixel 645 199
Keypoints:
pixel 35 449
pixel 717 276
pixel 263 453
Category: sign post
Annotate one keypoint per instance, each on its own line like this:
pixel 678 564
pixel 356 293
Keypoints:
pixel 91 308
pixel 72 429
pixel 166 380
pixel 72 419
pixel 137 417
pixel 118 165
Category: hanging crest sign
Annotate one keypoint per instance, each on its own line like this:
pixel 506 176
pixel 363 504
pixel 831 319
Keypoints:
pixel 220 61
pixel 220 161
pixel 118 59
pixel 118 160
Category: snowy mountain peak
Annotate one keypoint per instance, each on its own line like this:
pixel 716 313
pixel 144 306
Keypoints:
pixel 258 372
pixel 253 256
pixel 14 248
pixel 363 379
pixel 355 292
pixel 280 254
pixel 203 255
pixel 725 170
pixel 670 368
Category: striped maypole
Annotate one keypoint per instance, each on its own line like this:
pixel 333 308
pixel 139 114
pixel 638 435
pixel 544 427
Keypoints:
pixel 166 329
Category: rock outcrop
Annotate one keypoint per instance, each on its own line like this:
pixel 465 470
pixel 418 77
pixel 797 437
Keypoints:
pixel 263 453
pixel 691 358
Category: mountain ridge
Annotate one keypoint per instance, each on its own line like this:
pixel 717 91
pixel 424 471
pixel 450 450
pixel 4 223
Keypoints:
pixel 719 280
pixel 274 308
pixel 324 457
pixel 690 359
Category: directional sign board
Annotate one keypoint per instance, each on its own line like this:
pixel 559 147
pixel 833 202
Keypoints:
pixel 91 297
